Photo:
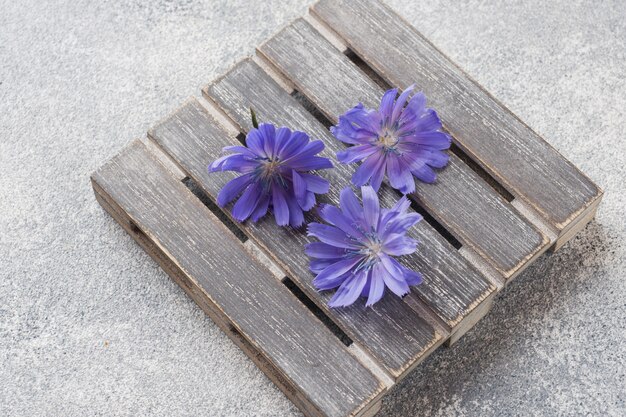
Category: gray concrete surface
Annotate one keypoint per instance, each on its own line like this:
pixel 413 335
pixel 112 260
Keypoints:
pixel 89 325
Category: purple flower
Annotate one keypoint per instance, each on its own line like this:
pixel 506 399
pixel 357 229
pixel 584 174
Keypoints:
pixel 402 140
pixel 357 246
pixel 275 165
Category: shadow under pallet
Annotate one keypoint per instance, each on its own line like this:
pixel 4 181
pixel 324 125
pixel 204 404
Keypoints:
pixel 505 198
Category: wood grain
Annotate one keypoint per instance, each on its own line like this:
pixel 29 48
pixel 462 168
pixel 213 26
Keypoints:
pixel 460 199
pixel 392 332
pixel 234 286
pixel 506 147
pixel 452 288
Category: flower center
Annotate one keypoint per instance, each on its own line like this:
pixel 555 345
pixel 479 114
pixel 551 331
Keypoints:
pixel 372 248
pixel 375 247
pixel 269 171
pixel 387 140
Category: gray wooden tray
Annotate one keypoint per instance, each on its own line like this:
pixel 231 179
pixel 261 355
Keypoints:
pixel 505 198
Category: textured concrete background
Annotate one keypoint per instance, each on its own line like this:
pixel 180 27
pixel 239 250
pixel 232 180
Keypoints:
pixel 89 325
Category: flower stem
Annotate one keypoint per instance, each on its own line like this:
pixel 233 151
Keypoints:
pixel 255 123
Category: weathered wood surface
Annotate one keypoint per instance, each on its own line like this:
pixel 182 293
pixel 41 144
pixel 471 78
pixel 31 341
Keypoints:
pixel 452 288
pixel 295 350
pixel 505 147
pixel 391 332
pixel 460 199
pixel 235 288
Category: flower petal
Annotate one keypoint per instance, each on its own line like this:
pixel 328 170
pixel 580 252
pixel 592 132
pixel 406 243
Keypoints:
pixel 296 217
pixel 400 245
pixel 217 164
pixel 377 285
pixel 437 159
pixel 311 163
pixel 356 153
pixel 247 202
pixel 297 141
pixel 350 205
pixel 239 163
pixel 268 131
pixel 239 149
pixel 232 189
pixel 400 102
pixel 386 103
pixel 414 109
pixel 399 174
pixel 279 206
pixel 371 206
pixel 331 235
pixel 302 154
pixel 362 175
pixel 411 277
pixel 254 142
pixel 335 270
pixel 324 250
pixel 433 140
pixel 330 283
pixel 378 174
pixel 261 208
pixel 367 121
pixel 429 121
pixel 393 280
pixel 318 265
pixel 309 201
pixel 426 174
pixel 282 138
pixel 299 186
pixel 349 291
pixel 315 183
pixel 399 225
pixel 347 133
pixel 334 216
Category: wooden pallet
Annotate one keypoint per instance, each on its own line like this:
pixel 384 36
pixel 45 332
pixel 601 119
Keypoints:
pixel 505 198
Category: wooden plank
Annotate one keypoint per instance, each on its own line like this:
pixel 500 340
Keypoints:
pixel 460 200
pixel 504 146
pixel 392 332
pixel 452 287
pixel 293 347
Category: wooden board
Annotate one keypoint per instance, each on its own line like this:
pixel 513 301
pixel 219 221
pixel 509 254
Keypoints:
pixel 460 199
pixel 304 80
pixel 236 290
pixel 452 287
pixel 392 332
pixel 500 142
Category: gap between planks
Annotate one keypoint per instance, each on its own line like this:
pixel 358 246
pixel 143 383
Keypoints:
pixel 258 254
pixel 552 240
pixel 417 305
pixel 197 293
pixel 193 291
pixel 558 233
pixel 586 214
pixel 469 254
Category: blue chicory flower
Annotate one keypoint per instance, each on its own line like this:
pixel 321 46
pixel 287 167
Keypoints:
pixel 357 246
pixel 275 164
pixel 404 141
